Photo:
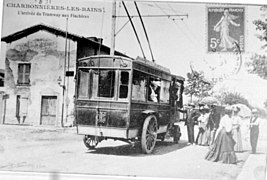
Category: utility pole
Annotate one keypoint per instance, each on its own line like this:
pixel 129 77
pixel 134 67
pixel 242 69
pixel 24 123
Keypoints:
pixel 64 76
pixel 113 25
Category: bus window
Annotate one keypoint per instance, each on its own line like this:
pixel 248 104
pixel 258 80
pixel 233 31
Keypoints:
pixel 83 89
pixel 180 94
pixel 106 83
pixel 139 86
pixel 164 93
pixel 154 90
pixel 124 81
pixel 176 91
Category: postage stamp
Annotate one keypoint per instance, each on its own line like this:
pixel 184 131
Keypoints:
pixel 226 28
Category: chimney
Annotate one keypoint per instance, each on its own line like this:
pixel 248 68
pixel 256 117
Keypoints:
pixel 100 40
pixel 95 39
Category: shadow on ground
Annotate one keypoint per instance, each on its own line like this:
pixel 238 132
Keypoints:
pixel 162 147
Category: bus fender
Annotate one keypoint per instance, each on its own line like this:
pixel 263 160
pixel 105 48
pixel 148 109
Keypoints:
pixel 149 112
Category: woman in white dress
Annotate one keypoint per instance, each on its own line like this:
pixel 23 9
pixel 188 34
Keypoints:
pixel 202 137
pixel 236 130
pixel 223 147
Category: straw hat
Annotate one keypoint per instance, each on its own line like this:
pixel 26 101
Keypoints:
pixel 236 109
pixel 191 104
pixel 206 107
pixel 228 109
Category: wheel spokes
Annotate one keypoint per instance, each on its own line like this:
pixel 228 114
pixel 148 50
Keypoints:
pixel 151 134
pixel 91 141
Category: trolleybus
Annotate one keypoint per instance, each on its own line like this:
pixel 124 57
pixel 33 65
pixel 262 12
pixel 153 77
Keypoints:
pixel 126 99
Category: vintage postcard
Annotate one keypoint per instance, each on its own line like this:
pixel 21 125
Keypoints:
pixel 133 90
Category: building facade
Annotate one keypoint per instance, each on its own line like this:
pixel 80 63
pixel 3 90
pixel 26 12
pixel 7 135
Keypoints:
pixel 40 69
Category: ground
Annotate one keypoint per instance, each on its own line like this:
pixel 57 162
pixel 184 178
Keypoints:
pixel 46 149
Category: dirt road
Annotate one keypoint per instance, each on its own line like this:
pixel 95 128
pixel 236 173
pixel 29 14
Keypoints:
pixel 39 149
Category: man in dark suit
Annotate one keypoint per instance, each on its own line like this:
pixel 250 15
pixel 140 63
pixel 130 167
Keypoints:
pixel 192 115
pixel 213 122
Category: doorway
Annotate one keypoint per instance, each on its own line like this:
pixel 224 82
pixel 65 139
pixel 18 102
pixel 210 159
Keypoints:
pixel 48 110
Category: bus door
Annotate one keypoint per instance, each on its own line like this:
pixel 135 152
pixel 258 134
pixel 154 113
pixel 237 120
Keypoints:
pixel 176 89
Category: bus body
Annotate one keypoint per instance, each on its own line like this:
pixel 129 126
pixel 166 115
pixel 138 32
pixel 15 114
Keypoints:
pixel 125 99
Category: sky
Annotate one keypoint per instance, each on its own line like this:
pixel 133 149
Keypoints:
pixel 177 42
pixel 174 43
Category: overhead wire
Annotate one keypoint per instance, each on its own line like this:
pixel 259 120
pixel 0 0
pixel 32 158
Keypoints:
pixel 173 19
pixel 186 25
pixel 151 5
pixel 193 41
pixel 200 42
pixel 117 24
pixel 179 28
pixel 187 29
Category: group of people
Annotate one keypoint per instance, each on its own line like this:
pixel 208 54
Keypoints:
pixel 220 129
pixel 207 119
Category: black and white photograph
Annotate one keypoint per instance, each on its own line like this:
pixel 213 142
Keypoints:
pixel 111 89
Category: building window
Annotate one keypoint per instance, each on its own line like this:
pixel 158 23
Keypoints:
pixel 24 74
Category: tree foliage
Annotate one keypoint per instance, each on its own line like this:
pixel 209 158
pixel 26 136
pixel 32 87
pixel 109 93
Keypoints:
pixel 265 104
pixel 261 25
pixel 258 65
pixel 233 98
pixel 197 85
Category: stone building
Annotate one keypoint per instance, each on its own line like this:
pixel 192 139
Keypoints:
pixel 40 69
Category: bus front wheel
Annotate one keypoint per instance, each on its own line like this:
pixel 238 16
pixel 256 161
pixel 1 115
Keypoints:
pixel 149 134
pixel 90 141
pixel 176 134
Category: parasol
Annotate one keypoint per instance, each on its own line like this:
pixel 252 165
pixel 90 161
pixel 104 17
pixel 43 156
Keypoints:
pixel 209 100
pixel 244 110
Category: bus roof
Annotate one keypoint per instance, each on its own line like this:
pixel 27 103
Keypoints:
pixel 105 56
pixel 142 63
pixel 152 64
pixel 178 77
pixel 138 60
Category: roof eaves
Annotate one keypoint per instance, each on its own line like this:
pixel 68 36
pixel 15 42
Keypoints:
pixel 33 29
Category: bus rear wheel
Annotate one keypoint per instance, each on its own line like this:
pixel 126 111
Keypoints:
pixel 90 141
pixel 149 134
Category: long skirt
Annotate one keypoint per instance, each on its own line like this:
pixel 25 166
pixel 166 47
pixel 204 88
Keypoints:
pixel 222 149
pixel 254 134
pixel 237 138
pixel 212 136
pixel 202 137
